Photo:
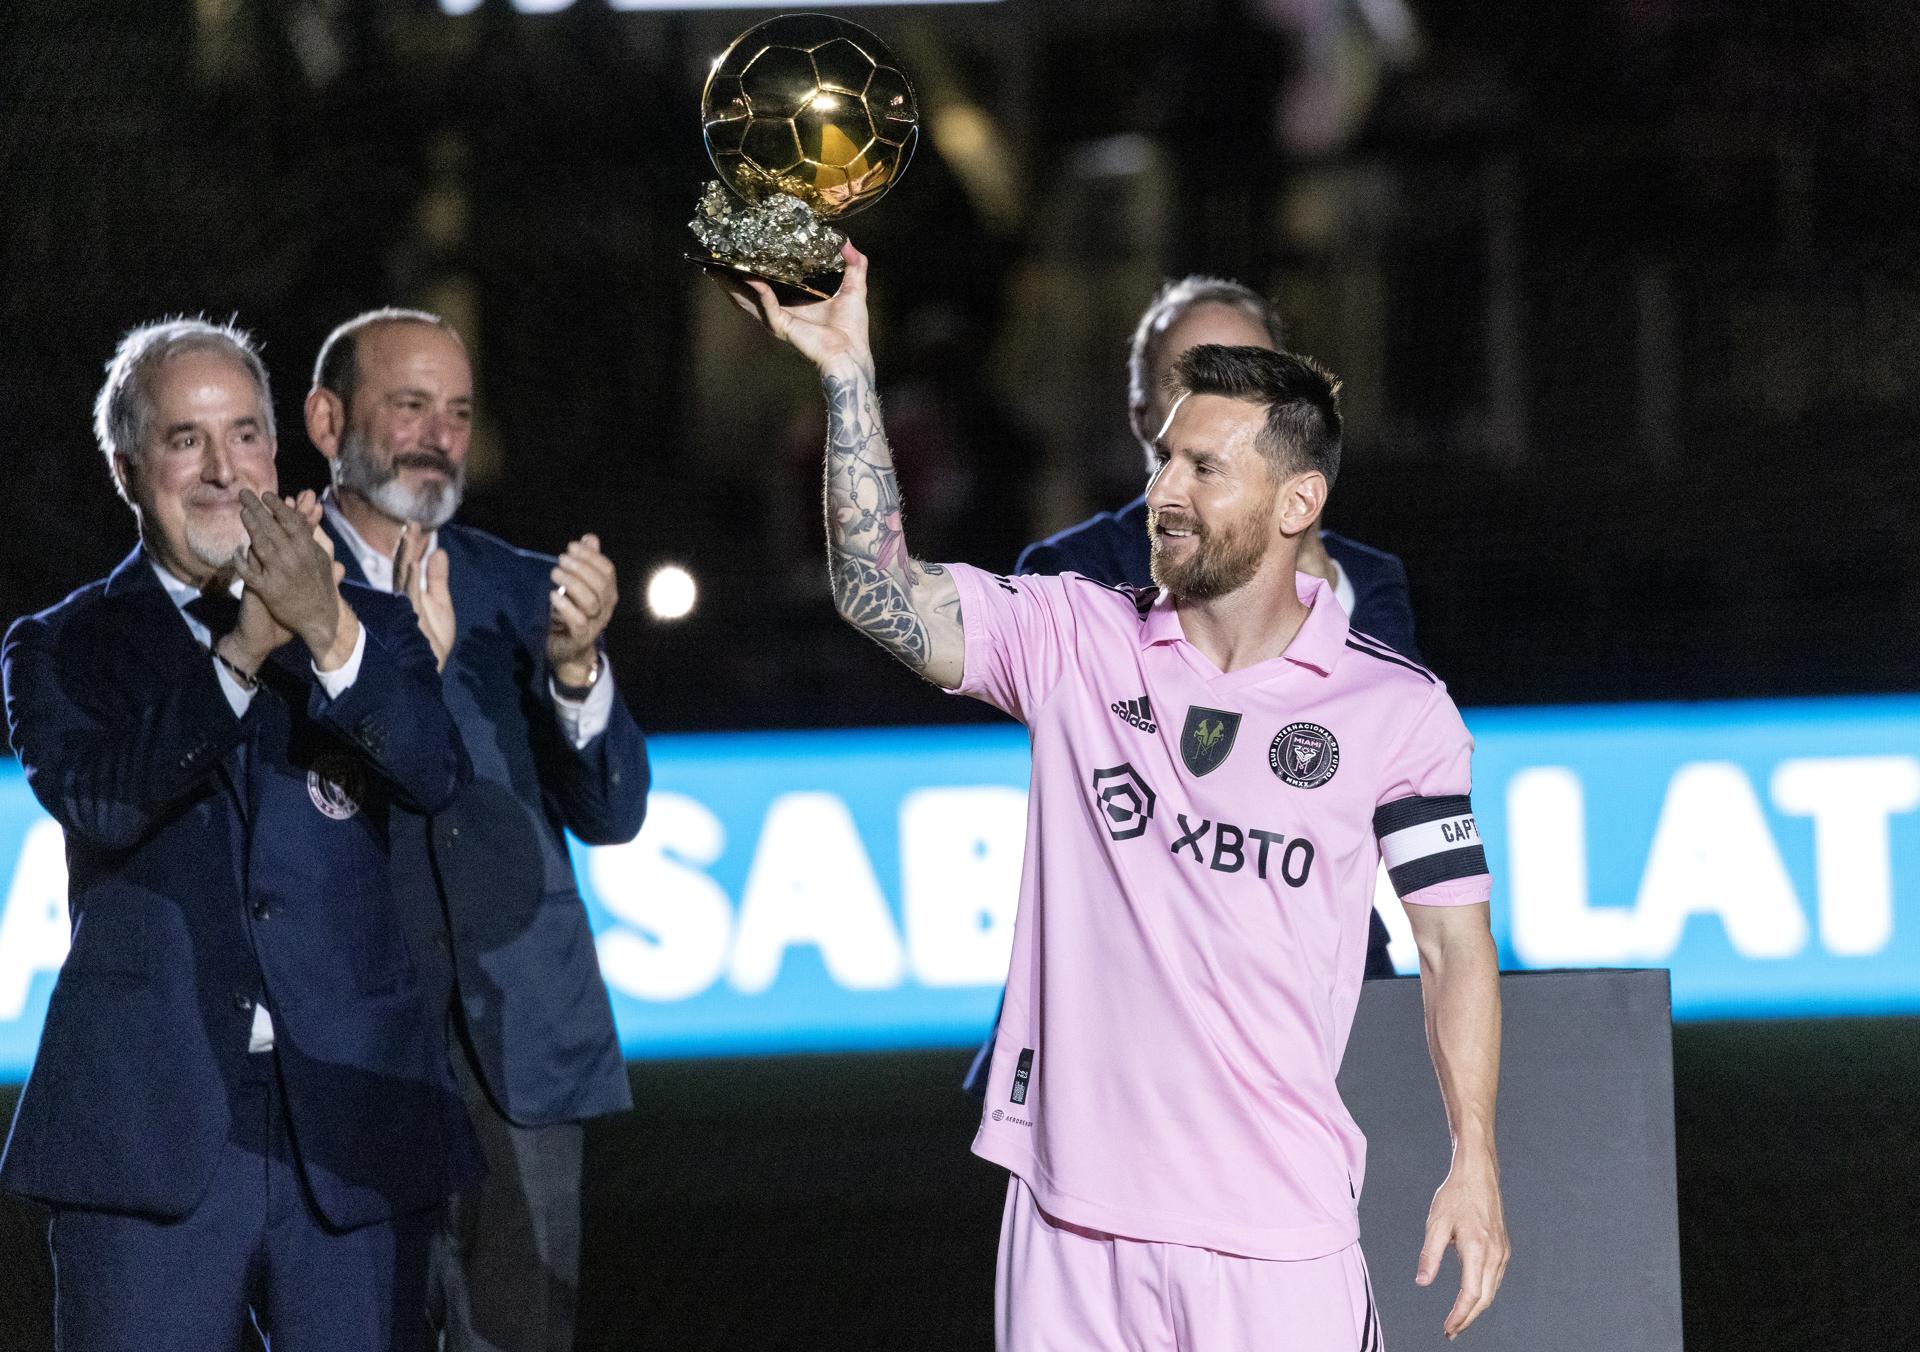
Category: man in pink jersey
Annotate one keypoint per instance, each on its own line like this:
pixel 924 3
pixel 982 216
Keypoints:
pixel 1197 882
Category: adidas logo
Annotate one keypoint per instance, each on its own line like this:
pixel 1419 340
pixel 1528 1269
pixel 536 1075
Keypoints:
pixel 1138 712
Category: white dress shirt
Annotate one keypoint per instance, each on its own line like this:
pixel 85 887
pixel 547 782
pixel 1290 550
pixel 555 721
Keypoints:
pixel 240 698
pixel 1342 587
pixel 581 720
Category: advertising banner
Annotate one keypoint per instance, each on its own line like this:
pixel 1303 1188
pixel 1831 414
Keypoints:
pixel 845 890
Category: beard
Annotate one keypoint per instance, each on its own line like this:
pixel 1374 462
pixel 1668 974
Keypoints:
pixel 1221 562
pixel 219 547
pixel 358 469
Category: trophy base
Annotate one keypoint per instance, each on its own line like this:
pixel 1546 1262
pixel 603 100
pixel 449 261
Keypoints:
pixel 820 286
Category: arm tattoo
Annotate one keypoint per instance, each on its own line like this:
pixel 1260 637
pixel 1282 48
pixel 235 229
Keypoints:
pixel 872 574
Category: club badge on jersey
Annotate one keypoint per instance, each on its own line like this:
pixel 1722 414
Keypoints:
pixel 1206 739
pixel 1304 755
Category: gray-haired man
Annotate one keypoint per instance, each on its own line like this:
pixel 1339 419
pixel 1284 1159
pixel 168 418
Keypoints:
pixel 240 1112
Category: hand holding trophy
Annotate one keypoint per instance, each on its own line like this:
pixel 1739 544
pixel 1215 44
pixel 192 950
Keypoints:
pixel 807 119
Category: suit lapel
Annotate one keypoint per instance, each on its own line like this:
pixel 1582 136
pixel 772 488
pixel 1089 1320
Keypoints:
pixel 343 551
pixel 157 636
pixel 461 581
pixel 155 632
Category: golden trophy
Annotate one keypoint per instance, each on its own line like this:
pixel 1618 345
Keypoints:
pixel 807 119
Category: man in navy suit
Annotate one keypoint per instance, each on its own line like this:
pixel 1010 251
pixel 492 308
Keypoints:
pixel 241 1104
pixel 1112 547
pixel 554 749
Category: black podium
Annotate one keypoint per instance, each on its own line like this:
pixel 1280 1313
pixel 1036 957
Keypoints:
pixel 1585 1130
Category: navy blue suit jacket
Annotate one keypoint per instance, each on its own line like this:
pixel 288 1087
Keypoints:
pixel 212 864
pixel 1112 547
pixel 491 872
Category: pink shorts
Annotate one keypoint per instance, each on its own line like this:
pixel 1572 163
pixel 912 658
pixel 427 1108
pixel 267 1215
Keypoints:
pixel 1060 1288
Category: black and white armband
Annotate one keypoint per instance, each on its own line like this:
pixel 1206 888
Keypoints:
pixel 1428 841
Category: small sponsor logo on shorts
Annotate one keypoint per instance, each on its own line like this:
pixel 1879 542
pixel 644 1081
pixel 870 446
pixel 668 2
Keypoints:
pixel 1000 1116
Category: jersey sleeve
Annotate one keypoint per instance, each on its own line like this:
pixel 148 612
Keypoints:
pixel 1424 815
pixel 1018 634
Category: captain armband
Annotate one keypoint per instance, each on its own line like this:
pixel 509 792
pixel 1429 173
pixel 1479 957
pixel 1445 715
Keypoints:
pixel 1428 841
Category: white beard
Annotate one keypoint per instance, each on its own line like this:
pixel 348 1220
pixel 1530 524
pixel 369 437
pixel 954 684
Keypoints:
pixel 429 507
pixel 217 546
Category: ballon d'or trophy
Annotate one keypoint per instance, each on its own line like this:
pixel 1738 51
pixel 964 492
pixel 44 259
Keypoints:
pixel 808 119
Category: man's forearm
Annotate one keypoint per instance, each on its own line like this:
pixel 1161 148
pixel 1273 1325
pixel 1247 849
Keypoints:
pixel 872 574
pixel 1461 981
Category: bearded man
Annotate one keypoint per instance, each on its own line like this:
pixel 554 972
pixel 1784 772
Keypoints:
pixel 240 1112
pixel 499 922
pixel 1195 896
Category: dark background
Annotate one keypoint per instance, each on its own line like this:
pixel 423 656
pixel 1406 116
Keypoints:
pixel 1624 291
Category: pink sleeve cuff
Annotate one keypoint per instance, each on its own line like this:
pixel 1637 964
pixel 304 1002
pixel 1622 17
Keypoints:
pixel 1458 892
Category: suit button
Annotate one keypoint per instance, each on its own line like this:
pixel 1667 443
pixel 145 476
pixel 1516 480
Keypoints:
pixel 261 910
pixel 242 1002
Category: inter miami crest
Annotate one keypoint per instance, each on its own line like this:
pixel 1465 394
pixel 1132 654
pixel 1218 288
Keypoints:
pixel 1304 755
pixel 1207 738
pixel 336 784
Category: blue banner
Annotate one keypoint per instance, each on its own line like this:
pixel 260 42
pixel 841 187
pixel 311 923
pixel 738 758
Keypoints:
pixel 843 890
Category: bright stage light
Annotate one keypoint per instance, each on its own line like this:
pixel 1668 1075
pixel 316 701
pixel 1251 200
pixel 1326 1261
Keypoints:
pixel 671 593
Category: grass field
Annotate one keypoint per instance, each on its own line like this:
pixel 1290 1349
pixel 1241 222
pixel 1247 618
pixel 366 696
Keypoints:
pixel 830 1203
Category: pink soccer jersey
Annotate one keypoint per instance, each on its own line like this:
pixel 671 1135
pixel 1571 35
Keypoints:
pixel 1200 862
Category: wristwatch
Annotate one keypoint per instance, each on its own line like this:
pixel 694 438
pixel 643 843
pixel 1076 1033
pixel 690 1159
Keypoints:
pixel 576 693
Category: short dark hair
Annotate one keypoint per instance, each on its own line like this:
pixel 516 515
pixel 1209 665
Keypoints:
pixel 337 368
pixel 1302 431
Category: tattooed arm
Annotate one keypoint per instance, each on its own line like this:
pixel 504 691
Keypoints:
pixel 911 609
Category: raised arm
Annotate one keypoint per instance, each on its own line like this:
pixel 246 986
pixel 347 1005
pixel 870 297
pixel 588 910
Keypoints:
pixel 911 609
pixel 1460 984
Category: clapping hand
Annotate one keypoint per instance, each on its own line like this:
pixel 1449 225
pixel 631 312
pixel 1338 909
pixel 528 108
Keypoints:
pixel 425 587
pixel 585 591
pixel 288 567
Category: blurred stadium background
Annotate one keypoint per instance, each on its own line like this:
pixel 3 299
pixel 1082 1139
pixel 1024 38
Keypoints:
pixel 1626 299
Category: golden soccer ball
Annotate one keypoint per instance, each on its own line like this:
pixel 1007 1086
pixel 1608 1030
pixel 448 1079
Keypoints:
pixel 812 106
